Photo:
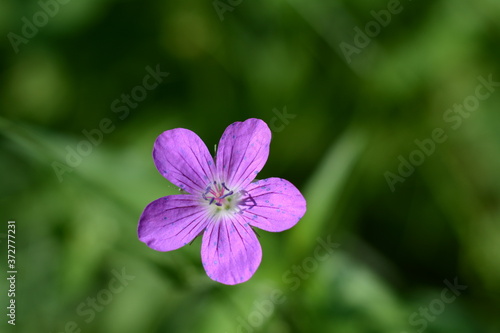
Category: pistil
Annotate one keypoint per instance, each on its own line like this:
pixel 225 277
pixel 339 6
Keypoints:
pixel 216 193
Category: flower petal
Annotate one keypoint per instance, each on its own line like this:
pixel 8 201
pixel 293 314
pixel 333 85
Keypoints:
pixel 230 251
pixel 273 204
pixel 171 222
pixel 242 152
pixel 182 157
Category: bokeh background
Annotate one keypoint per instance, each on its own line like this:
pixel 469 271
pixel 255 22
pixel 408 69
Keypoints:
pixel 349 121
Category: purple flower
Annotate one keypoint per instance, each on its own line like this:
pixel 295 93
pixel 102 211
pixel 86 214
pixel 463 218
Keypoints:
pixel 223 203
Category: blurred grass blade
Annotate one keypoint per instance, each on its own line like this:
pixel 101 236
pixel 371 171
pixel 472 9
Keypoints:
pixel 323 189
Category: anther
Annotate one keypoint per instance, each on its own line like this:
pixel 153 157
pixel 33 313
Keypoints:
pixel 226 195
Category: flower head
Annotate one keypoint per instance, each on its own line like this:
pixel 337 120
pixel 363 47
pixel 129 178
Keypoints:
pixel 223 201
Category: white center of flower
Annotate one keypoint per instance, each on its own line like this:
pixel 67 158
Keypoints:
pixel 220 198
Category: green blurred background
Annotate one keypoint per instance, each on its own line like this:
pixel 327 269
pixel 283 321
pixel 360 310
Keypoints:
pixel 350 121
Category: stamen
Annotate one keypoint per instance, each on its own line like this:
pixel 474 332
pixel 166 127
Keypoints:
pixel 226 195
pixel 216 193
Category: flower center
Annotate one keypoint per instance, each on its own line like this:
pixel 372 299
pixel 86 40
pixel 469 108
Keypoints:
pixel 222 197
